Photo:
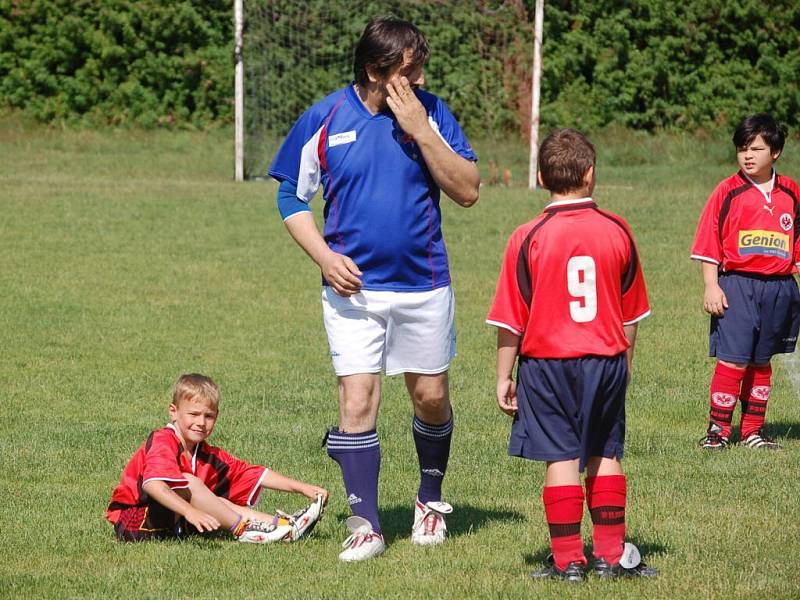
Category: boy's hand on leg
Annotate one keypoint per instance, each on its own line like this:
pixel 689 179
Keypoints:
pixel 507 396
pixel 201 520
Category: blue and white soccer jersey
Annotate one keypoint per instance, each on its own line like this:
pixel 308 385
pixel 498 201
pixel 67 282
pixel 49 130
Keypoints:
pixel 381 203
pixel 382 210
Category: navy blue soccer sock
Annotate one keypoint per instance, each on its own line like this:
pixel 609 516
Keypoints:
pixel 359 456
pixel 433 451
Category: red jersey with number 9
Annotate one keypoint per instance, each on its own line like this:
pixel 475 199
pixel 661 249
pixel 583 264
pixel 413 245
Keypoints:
pixel 570 280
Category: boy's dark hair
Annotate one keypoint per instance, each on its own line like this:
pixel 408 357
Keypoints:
pixel 773 133
pixel 564 157
pixel 383 45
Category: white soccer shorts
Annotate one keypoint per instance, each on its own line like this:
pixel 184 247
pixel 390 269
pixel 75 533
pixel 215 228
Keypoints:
pixel 398 332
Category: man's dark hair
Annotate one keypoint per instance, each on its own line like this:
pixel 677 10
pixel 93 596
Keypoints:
pixel 564 157
pixel 383 45
pixel 762 124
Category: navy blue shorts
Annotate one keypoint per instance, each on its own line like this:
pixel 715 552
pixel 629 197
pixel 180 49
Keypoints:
pixel 762 318
pixel 570 408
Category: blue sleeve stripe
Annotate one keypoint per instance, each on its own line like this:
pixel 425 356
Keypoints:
pixel 288 202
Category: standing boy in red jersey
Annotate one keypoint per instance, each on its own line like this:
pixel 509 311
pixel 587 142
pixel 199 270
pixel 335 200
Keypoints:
pixel 747 243
pixel 177 479
pixel 568 301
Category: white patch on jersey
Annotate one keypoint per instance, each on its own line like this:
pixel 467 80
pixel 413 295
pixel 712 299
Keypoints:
pixel 435 127
pixel 761 392
pixel 786 221
pixel 723 400
pixel 308 176
pixel 348 137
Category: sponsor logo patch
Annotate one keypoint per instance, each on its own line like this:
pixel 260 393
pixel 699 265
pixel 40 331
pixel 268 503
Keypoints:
pixel 761 392
pixel 723 400
pixel 768 243
pixel 353 499
pixel 433 472
pixel 786 221
pixel 348 137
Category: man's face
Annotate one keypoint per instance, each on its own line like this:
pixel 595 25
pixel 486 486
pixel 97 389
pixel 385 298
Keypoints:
pixel 756 159
pixel 414 72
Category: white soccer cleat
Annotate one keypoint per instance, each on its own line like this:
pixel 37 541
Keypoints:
pixel 303 521
pixel 258 532
pixel 363 543
pixel 429 526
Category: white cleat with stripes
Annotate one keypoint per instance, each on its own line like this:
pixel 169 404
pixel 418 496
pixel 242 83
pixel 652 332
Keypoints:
pixel 759 440
pixel 429 526
pixel 363 543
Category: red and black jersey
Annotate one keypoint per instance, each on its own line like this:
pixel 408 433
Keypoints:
pixel 162 457
pixel 743 228
pixel 570 280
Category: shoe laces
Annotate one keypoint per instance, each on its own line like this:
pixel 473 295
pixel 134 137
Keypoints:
pixel 255 525
pixel 713 437
pixel 360 536
pixel 430 519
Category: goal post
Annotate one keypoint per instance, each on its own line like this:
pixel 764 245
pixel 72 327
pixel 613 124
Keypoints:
pixel 290 54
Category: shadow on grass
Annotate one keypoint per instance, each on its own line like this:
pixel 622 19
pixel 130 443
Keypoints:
pixel 396 520
pixel 647 549
pixel 785 430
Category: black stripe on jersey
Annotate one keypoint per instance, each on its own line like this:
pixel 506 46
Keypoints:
pixel 726 204
pixel 796 207
pixel 223 486
pixel 630 273
pixel 523 270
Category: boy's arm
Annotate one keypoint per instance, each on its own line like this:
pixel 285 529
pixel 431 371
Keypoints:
pixel 507 349
pixel 630 335
pixel 159 491
pixel 714 300
pixel 275 481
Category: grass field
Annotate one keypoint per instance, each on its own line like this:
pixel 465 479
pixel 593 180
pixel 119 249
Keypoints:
pixel 128 258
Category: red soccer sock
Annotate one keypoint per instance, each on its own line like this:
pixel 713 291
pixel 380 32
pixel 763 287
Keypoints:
pixel 725 386
pixel 606 496
pixel 563 507
pixel 754 409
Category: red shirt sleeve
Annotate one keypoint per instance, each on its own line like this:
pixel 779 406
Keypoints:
pixel 635 305
pixel 509 309
pixel 162 460
pixel 792 185
pixel 706 246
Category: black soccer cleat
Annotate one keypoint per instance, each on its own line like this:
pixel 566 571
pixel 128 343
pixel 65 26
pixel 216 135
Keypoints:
pixel 574 573
pixel 606 571
pixel 713 440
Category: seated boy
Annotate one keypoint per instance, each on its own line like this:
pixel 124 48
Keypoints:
pixel 568 301
pixel 747 243
pixel 177 482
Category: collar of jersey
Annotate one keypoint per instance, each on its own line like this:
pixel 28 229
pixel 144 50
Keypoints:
pixel 571 204
pixel 358 105
pixel 196 448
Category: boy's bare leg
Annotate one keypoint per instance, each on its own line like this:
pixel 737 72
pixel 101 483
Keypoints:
pixel 562 472
pixel 204 499
pixel 247 512
pixel 599 466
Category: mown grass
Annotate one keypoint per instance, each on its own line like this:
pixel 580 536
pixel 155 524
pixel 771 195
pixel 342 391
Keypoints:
pixel 127 258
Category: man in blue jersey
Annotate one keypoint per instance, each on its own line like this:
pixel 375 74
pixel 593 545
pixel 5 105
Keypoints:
pixel 382 149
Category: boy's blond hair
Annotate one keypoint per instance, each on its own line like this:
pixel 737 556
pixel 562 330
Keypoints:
pixel 194 386
pixel 564 158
